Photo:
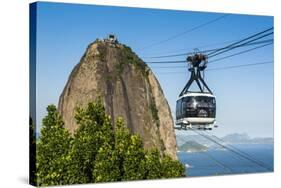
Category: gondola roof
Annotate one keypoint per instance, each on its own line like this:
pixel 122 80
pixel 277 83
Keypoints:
pixel 194 94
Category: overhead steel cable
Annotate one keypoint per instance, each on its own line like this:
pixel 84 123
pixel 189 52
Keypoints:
pixel 239 53
pixel 209 50
pixel 168 67
pixel 225 57
pixel 185 32
pixel 217 68
pixel 224 166
pixel 247 38
pixel 238 66
pixel 234 47
pixel 238 150
pixel 233 151
pixel 235 148
pixel 201 46
pixel 243 40
pixel 156 62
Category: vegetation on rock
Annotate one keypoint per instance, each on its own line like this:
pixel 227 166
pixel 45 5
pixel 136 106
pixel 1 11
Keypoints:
pixel 131 58
pixel 154 110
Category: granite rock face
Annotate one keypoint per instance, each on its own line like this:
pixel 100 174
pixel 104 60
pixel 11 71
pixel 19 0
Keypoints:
pixel 128 88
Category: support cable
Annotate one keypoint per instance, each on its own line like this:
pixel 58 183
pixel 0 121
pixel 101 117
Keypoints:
pixel 225 57
pixel 186 31
pixel 208 50
pixel 235 148
pixel 224 166
pixel 233 151
pixel 239 53
pixel 219 68
pixel 228 48
pixel 247 38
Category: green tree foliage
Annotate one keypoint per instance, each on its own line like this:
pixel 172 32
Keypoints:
pixel 152 164
pixel 130 152
pixel 97 152
pixel 106 168
pixel 121 143
pixel 161 167
pixel 134 159
pixel 171 168
pixel 53 148
pixel 95 130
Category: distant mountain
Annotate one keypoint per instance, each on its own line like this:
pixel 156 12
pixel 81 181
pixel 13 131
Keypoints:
pixel 235 138
pixel 191 146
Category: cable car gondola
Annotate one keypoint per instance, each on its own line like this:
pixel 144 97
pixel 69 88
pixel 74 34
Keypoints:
pixel 196 110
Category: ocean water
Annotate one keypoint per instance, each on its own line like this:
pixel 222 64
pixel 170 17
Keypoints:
pixel 219 161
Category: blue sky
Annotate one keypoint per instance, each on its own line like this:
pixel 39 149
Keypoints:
pixel 244 95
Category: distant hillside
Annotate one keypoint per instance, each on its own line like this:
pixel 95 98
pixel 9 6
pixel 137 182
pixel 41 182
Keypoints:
pixel 235 138
pixel 191 146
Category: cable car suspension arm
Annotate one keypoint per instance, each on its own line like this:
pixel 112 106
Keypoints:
pixel 195 69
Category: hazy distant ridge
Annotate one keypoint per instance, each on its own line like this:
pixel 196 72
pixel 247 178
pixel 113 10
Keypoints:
pixel 235 138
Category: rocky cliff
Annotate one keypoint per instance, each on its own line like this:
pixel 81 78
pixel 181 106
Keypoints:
pixel 128 88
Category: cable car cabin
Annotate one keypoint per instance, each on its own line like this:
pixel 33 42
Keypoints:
pixel 196 111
